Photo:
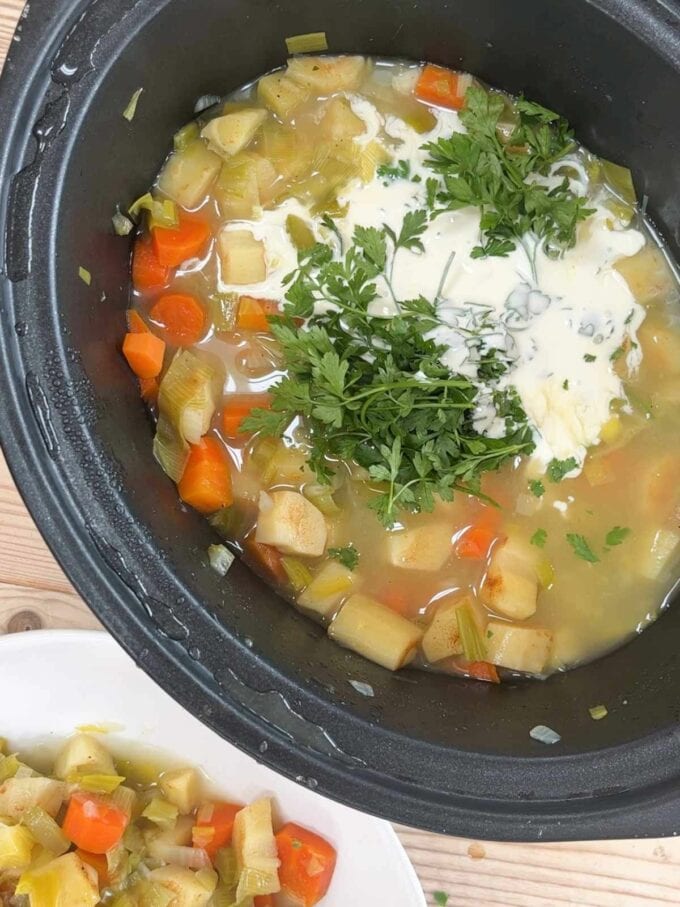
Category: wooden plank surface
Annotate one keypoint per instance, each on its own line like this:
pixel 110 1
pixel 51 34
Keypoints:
pixel 34 591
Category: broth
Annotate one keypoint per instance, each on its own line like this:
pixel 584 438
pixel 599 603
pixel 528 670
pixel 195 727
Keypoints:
pixel 549 560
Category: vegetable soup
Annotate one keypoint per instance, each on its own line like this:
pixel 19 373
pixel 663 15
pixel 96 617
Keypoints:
pixel 415 353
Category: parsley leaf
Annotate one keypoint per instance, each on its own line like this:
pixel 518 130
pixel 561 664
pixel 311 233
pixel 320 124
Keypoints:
pixel 618 352
pixel 348 556
pixel 589 357
pixel 441 899
pixel 399 171
pixel 558 469
pixel 581 547
pixel 565 384
pixel 539 538
pixel 537 488
pixel 616 535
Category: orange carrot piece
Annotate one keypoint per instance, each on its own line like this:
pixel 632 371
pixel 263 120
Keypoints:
pixel 267 558
pixel 252 313
pixel 135 322
pixel 214 826
pixel 175 245
pixel 443 87
pixel 263 900
pixel 475 542
pixel 482 670
pixel 99 863
pixel 206 482
pixel 148 389
pixel 93 823
pixel 236 408
pixel 147 272
pixel 395 598
pixel 307 864
pixel 182 318
pixel 144 353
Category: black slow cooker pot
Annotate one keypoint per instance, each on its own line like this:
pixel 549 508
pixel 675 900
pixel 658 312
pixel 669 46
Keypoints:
pixel 428 750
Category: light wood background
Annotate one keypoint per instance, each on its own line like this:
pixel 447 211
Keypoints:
pixel 35 593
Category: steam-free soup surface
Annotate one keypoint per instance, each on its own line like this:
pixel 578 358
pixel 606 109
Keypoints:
pixel 415 353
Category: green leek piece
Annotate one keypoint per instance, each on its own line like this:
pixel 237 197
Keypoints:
pixel 220 559
pixel 300 233
pixel 85 276
pixel 95 783
pixel 187 399
pixel 161 812
pixel 299 575
pixel 171 451
pixel 620 180
pixel 255 848
pixel 162 212
pixel 545 573
pixel 232 522
pixel 131 110
pixel 311 43
pixel 45 830
pixel 263 452
pixel 598 712
pixel 322 498
pixel 9 765
pixel 227 868
pixel 186 136
pixel 470 636
pixel 223 308
pixel 420 119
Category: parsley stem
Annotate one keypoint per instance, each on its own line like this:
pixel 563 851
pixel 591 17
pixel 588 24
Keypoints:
pixel 445 274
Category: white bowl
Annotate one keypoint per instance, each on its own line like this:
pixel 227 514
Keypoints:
pixel 56 681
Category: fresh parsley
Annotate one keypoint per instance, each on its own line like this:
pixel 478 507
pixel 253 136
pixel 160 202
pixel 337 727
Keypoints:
pixel 539 538
pixel 589 357
pixel 581 547
pixel 536 487
pixel 558 469
pixel 616 535
pixel 347 556
pixel 477 168
pixel 565 384
pixel 441 899
pixel 373 390
pixel 618 352
pixel 399 171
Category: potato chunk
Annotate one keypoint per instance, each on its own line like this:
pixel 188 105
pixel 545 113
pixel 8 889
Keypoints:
pixel 376 632
pixel 189 174
pixel 518 648
pixel 646 273
pixel 66 880
pixel 511 585
pixel 328 588
pixel 242 257
pixel 16 845
pixel 246 182
pixel 325 75
pixel 189 889
pixel 339 122
pixel 657 549
pixel 84 752
pixel 291 523
pixel 231 133
pixel 442 637
pixel 425 548
pixel 19 794
pixel 182 788
pixel 281 94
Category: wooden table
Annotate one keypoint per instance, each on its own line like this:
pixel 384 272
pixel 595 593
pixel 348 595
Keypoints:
pixel 35 593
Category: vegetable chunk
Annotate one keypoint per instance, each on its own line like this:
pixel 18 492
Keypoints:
pixel 307 864
pixel 182 788
pixel 376 632
pixel 518 648
pixel 289 522
pixel 230 134
pixel 256 854
pixel 189 889
pixel 67 875
pixel 325 75
pixel 189 174
pixel 327 588
pixel 84 753
pixel 511 584
pixel 17 795
pixel 242 256
pixel 425 548
pixel 443 637
pixel 16 845
pixel 281 94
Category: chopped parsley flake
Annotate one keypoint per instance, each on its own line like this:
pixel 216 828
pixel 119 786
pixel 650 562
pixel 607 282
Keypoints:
pixel 537 488
pixel 347 556
pixel 589 357
pixel 399 171
pixel 565 384
pixel 581 547
pixel 558 469
pixel 539 538
pixel 441 899
pixel 616 535
pixel 618 352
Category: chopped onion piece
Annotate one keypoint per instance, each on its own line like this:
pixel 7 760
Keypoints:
pixel 131 110
pixel 190 857
pixel 598 712
pixel 364 688
pixel 206 101
pixel 544 734
pixel 122 225
pixel 220 559
pixel 85 275
pixel 311 43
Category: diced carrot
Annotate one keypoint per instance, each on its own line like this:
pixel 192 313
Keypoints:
pixel 237 407
pixel 135 322
pixel 252 313
pixel 99 863
pixel 148 389
pixel 475 542
pixel 206 482
pixel 443 87
pixel 147 271
pixel 263 900
pixel 482 670
pixel 144 353
pixel 93 823
pixel 268 558
pixel 214 826
pixel 395 598
pixel 307 864
pixel 174 245
pixel 182 318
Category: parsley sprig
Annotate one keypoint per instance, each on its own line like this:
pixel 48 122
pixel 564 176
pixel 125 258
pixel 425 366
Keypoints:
pixel 373 390
pixel 500 177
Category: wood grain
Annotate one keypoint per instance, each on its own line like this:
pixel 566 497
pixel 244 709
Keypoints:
pixel 472 873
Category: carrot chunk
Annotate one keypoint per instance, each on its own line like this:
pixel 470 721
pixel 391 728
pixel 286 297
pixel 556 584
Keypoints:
pixel 144 353
pixel 267 558
pixel 99 863
pixel 482 670
pixel 147 271
pixel 263 900
pixel 182 318
pixel 214 826
pixel 307 864
pixel 135 322
pixel 174 245
pixel 93 823
pixel 237 408
pixel 206 482
pixel 443 87
pixel 148 389
pixel 253 313
pixel 475 542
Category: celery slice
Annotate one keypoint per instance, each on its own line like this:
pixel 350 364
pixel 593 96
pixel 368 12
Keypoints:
pixel 95 783
pixel 223 309
pixel 322 498
pixel 300 232
pixel 45 830
pixel 470 636
pixel 161 813
pixel 186 135
pixel 162 212
pixel 131 110
pixel 311 43
pixel 299 575
pixel 220 559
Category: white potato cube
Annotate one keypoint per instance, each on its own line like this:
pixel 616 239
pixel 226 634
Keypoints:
pixel 657 550
pixel 19 794
pixel 424 548
pixel 281 94
pixel 182 788
pixel 242 257
pixel 84 753
pixel 189 889
pixel 518 648
pixel 326 75
pixel 231 133
pixel 376 632
pixel 328 588
pixel 189 174
pixel 511 584
pixel 291 523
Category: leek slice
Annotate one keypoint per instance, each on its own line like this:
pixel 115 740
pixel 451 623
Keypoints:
pixel 470 637
pixel 299 575
pixel 223 308
pixel 256 852
pixel 162 212
pixel 620 180
pixel 311 43
pixel 233 522
pixel 301 234
pixel 322 498
pixel 170 450
pixel 220 559
pixel 85 276
pixel 186 136
pixel 130 111
pixel 95 783
pixel 45 830
pixel 161 813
